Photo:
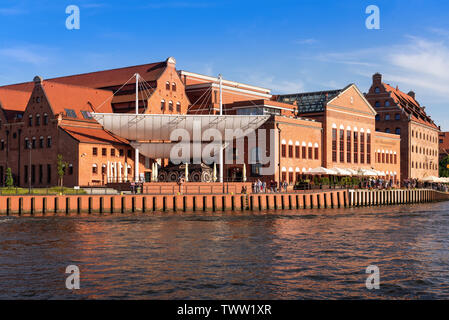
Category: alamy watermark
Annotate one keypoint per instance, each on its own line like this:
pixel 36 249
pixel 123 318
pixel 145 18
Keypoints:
pixel 73 280
pixel 73 21
pixel 373 20
pixel 373 280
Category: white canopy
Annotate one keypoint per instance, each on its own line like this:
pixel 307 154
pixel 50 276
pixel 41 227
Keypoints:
pixel 321 171
pixel 342 172
pixel 431 179
pixel 368 173
pixel 160 126
pixel 163 150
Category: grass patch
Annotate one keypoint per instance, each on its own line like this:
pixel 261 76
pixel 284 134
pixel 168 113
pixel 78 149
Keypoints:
pixel 52 190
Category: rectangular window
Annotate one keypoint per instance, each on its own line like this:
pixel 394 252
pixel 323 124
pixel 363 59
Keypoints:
pixel 368 148
pixel 284 150
pixel 383 157
pixel 356 147
pixel 94 151
pixel 348 146
pixel 103 152
pixel 378 158
pixel 362 147
pixel 33 174
pixel 41 173
pixel 112 152
pixel 297 152
pixel 25 176
pixel 121 152
pixel 334 145
pixel 48 173
pixel 49 142
pixel 395 159
pixel 342 145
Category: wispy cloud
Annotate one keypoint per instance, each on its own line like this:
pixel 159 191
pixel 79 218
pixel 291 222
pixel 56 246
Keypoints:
pixel 178 5
pixel 306 41
pixel 12 11
pixel 25 55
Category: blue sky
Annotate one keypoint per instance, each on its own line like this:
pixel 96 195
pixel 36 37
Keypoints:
pixel 288 46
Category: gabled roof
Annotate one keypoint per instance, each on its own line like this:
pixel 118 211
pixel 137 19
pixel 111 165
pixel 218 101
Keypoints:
pixel 104 79
pixel 14 99
pixel 62 97
pixel 92 135
pixel 410 106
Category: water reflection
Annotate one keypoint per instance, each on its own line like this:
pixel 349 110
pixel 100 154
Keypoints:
pixel 262 255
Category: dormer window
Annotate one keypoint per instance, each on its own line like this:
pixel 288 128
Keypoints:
pixel 70 113
pixel 167 85
pixel 86 115
pixel 173 86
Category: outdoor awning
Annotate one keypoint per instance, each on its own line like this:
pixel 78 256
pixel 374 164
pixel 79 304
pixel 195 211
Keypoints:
pixel 164 150
pixel 342 172
pixel 368 173
pixel 322 171
pixel 161 126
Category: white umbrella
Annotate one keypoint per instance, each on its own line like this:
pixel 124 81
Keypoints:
pixel 368 173
pixel 187 172
pixel 430 179
pixel 322 171
pixel 215 173
pixel 244 173
pixel 342 172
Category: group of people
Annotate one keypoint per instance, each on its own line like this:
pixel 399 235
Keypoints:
pixel 379 183
pixel 136 187
pixel 272 186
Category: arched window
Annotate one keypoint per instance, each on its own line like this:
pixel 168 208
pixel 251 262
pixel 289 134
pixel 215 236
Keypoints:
pixel 41 142
pixel 167 85
pixel 317 152
pixel 162 105
pixel 30 120
pixel 173 86
pixel 45 119
pixel 170 105
pixel 178 106
pixel 26 144
pixel 284 149
pixel 290 149
pixel 48 142
pixel 38 120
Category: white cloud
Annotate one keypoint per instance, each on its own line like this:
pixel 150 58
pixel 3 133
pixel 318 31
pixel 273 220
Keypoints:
pixel 306 41
pixel 25 55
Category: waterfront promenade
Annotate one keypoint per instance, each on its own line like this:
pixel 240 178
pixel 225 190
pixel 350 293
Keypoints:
pixel 146 203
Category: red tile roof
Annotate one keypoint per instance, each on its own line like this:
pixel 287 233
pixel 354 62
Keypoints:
pixel 62 97
pixel 92 135
pixel 14 99
pixel 410 106
pixel 104 79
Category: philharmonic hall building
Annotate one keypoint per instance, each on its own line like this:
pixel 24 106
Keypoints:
pixel 341 129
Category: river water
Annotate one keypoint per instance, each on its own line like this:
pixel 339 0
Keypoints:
pixel 306 254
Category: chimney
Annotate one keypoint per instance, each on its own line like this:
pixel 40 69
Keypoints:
pixel 171 62
pixel 377 78
pixel 37 80
pixel 411 94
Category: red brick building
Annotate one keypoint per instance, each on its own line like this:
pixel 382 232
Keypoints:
pixel 44 118
pixel 401 114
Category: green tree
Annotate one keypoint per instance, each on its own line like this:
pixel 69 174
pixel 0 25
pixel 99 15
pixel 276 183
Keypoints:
pixel 9 179
pixel 61 166
pixel 444 170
